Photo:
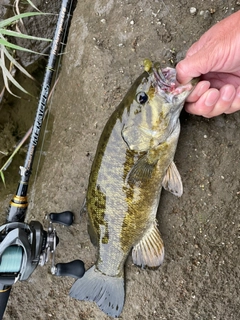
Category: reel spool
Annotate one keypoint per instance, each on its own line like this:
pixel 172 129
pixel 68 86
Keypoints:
pixel 25 246
pixel 11 260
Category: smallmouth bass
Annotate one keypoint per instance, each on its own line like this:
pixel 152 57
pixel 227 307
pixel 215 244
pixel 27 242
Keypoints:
pixel 133 161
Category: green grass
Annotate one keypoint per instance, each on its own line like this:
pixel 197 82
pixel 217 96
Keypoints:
pixel 7 48
pixel 8 60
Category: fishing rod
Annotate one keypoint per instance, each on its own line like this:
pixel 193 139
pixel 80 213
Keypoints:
pixel 24 246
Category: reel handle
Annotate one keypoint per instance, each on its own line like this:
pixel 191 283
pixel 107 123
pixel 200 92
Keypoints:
pixel 74 269
pixel 66 218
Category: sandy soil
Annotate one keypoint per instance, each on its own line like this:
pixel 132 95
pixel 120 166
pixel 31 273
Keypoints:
pixel 199 279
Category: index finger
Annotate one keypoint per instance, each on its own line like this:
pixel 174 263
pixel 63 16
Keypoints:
pixel 198 91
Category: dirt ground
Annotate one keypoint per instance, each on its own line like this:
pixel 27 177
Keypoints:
pixel 200 276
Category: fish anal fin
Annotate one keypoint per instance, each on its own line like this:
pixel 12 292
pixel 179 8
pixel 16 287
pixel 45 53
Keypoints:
pixel 172 181
pixel 149 252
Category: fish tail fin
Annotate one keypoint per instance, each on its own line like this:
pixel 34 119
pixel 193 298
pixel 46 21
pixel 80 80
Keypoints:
pixel 106 291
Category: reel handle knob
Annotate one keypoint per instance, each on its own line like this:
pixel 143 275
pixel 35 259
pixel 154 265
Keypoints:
pixel 74 269
pixel 66 218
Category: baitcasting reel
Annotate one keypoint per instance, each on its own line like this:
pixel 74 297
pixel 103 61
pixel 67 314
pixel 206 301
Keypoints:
pixel 25 246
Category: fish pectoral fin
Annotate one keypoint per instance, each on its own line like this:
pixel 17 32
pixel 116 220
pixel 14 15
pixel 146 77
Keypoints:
pixel 142 170
pixel 172 180
pixel 149 252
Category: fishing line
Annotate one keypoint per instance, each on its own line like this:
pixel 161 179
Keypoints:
pixel 50 102
pixel 38 245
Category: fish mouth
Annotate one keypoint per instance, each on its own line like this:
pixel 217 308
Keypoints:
pixel 165 78
pixel 167 83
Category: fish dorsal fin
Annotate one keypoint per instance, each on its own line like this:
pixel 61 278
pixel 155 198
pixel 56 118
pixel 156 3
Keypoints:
pixel 142 170
pixel 83 209
pixel 92 234
pixel 172 180
pixel 149 252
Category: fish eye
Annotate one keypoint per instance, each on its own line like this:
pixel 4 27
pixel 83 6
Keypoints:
pixel 142 97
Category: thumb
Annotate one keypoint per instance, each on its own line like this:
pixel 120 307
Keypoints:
pixel 193 66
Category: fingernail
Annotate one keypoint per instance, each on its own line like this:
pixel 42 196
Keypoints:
pixel 211 99
pixel 228 96
pixel 238 92
pixel 203 88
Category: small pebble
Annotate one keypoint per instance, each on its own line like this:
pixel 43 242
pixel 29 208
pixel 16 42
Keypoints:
pixel 193 10
pixel 206 14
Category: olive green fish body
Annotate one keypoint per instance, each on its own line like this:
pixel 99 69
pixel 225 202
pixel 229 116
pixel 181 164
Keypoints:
pixel 121 211
pixel 134 159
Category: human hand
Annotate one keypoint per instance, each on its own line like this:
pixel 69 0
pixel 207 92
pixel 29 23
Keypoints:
pixel 215 57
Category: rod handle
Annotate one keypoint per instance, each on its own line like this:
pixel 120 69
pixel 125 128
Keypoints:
pixel 4 295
